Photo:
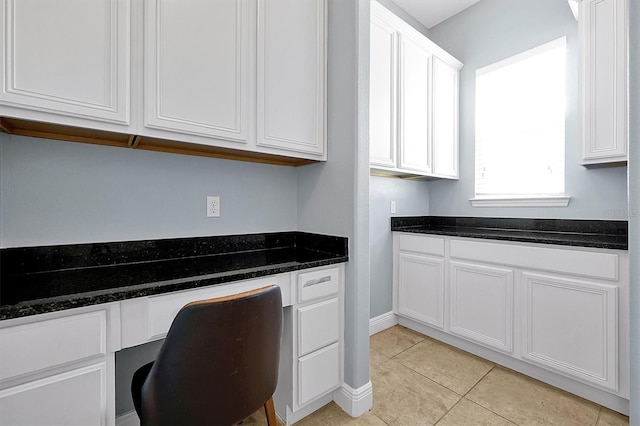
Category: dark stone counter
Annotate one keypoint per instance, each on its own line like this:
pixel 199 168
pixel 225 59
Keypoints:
pixel 37 280
pixel 606 234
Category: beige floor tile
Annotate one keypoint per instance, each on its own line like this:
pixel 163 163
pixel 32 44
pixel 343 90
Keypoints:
pixel 376 357
pixel 394 340
pixel 612 418
pixel 444 364
pixel 526 401
pixel 331 414
pixel 403 397
pixel 257 419
pixel 468 413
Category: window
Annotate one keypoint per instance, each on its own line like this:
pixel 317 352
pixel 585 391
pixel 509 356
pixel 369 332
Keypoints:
pixel 520 120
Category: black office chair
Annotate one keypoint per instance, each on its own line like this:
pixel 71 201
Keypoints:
pixel 218 364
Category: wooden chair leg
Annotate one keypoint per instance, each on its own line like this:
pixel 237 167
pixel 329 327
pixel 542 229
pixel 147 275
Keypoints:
pixel 270 411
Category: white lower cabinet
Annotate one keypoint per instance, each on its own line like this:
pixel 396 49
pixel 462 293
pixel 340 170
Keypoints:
pixel 75 397
pixel 59 369
pixel 555 312
pixel 481 304
pixel 317 335
pixel 422 294
pixel 571 326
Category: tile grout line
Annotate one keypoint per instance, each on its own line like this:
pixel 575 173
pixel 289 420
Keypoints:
pixel 482 406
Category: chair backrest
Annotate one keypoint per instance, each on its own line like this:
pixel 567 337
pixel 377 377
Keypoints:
pixel 219 362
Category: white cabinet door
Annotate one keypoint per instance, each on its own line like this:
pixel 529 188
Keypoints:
pixel 382 93
pixel 481 304
pixel 68 57
pixel 291 75
pixel 445 119
pixel 571 327
pixel 421 288
pixel 77 397
pixel 414 98
pixel 196 67
pixel 604 84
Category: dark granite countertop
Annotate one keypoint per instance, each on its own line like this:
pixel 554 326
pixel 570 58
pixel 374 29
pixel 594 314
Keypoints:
pixel 37 280
pixel 607 234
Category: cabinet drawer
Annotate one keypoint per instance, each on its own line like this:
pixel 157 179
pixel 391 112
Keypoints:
pixel 45 344
pixel 316 284
pixel 318 326
pixel 318 373
pixel 77 397
pixel 421 244
pixel 163 309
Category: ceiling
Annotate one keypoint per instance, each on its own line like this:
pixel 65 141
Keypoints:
pixel 431 12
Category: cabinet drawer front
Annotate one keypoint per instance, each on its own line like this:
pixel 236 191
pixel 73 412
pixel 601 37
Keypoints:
pixel 318 326
pixel 318 373
pixel 316 284
pixel 568 261
pixel 45 344
pixel 163 309
pixel 421 244
pixel 77 397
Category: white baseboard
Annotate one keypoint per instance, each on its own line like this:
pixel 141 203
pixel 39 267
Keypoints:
pixel 128 419
pixel 355 402
pixel 382 322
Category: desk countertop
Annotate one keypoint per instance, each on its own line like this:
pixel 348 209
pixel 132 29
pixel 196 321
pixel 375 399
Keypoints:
pixel 37 280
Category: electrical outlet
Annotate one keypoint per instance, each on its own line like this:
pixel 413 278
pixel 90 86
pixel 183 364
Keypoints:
pixel 393 207
pixel 213 206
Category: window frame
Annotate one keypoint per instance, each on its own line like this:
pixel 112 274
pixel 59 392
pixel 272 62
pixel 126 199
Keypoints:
pixel 521 200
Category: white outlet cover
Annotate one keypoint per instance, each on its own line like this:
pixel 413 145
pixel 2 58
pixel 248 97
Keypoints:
pixel 213 206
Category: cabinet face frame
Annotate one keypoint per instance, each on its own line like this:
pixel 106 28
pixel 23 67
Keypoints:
pixel 56 94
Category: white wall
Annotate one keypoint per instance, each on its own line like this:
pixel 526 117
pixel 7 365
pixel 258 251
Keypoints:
pixel 492 30
pixel 412 199
pixel 55 192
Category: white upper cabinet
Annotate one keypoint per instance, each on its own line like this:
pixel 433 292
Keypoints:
pixel 382 93
pixel 445 119
pixel 68 57
pixel 291 75
pixel 604 81
pixel 196 67
pixel 191 76
pixel 413 100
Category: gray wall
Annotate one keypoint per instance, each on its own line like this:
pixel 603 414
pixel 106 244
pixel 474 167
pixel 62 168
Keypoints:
pixel 333 196
pixel 55 192
pixel 389 4
pixel 634 206
pixel 412 199
pixel 492 30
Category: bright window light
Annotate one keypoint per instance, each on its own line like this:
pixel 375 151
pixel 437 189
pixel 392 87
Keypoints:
pixel 520 120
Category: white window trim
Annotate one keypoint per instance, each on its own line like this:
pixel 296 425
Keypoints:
pixel 521 201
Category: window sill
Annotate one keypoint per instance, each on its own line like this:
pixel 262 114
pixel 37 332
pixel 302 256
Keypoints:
pixel 532 201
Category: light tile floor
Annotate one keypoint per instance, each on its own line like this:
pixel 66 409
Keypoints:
pixel 420 381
